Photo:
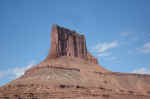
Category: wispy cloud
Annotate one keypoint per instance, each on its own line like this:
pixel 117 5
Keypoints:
pixel 145 49
pixel 105 50
pixel 19 71
pixel 102 47
pixel 104 54
pixel 142 70
pixel 147 45
pixel 14 72
pixel 1 75
pixel 125 34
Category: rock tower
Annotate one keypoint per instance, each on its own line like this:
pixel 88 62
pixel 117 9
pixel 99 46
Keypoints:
pixel 65 42
pixel 71 72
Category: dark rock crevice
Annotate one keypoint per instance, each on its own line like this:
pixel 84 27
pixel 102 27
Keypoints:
pixel 65 42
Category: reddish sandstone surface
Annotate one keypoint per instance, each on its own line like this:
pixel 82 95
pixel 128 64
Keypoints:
pixel 65 42
pixel 71 72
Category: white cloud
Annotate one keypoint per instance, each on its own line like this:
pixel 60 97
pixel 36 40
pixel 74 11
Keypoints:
pixel 130 52
pixel 19 71
pixel 101 47
pixel 14 72
pixel 104 54
pixel 113 58
pixel 145 49
pixel 135 39
pixel 142 70
pixel 1 75
pixel 125 34
pixel 147 45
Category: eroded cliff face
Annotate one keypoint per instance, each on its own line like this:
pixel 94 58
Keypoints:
pixel 65 42
pixel 70 72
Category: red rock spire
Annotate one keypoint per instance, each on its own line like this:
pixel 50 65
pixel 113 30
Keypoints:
pixel 65 42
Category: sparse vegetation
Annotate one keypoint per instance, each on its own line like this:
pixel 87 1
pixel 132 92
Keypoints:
pixel 6 98
pixel 101 88
pixel 131 92
pixel 148 92
pixel 77 86
pixel 105 95
pixel 62 86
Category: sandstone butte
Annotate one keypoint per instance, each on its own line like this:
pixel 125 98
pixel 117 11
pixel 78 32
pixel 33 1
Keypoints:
pixel 71 72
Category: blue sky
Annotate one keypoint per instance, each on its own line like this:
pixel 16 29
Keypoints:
pixel 117 32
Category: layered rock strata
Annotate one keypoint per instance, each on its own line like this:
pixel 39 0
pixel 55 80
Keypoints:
pixel 65 42
pixel 70 72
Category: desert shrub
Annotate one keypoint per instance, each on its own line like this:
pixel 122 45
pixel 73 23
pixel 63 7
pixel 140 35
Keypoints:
pixel 105 95
pixel 77 86
pixel 148 92
pixel 6 98
pixel 131 92
pixel 62 86
pixel 101 88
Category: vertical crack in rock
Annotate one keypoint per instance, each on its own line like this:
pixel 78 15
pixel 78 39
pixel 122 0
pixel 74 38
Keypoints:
pixel 65 42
